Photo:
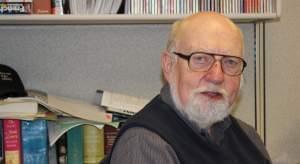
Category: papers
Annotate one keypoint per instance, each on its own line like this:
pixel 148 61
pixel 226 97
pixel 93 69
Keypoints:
pixel 80 109
pixel 120 103
pixel 60 106
pixel 115 6
pixel 92 7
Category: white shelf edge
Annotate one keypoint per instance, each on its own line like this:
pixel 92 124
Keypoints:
pixel 115 19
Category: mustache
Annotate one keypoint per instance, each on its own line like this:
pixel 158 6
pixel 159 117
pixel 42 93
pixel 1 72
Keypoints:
pixel 210 88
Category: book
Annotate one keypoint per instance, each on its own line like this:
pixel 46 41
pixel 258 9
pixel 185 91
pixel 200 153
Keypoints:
pixel 42 7
pixel 62 125
pixel 61 149
pixel 83 7
pixel 115 6
pixel 15 8
pixel 121 103
pixel 93 142
pixel 110 135
pixel 34 142
pixel 75 145
pixel 119 117
pixel 18 107
pixel 66 6
pixel 26 110
pixel 64 106
pixel 12 141
pixel 52 154
pixel 1 142
pixel 9 1
pixel 57 7
pixel 107 5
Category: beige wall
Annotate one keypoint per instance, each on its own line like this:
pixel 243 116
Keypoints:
pixel 282 83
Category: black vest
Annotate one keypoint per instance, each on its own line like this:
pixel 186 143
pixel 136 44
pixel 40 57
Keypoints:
pixel 235 148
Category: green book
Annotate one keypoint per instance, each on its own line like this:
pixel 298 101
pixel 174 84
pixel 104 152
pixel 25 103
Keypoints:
pixel 93 142
pixel 75 145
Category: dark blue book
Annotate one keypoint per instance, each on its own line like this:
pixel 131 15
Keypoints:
pixel 35 142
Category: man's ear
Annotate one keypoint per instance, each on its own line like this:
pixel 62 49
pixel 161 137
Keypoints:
pixel 166 65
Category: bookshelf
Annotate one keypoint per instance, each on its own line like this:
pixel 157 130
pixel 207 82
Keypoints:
pixel 116 19
pixel 268 13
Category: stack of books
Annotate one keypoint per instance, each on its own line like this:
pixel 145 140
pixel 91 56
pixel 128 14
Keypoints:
pixel 34 125
pixel 16 6
pixel 67 140
pixel 176 7
pixel 78 141
pixel 11 7
pixel 42 129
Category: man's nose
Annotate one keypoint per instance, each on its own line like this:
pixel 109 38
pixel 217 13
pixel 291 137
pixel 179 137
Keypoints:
pixel 215 74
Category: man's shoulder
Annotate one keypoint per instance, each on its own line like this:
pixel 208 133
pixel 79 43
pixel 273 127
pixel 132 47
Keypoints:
pixel 137 133
pixel 253 136
pixel 140 145
pixel 249 129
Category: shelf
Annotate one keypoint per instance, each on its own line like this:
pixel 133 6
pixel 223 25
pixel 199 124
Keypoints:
pixel 114 19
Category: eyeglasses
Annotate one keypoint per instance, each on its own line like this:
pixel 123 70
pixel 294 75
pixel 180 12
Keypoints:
pixel 202 62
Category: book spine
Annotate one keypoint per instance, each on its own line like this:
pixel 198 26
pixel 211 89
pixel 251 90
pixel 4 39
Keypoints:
pixel 1 142
pixel 52 155
pixel 110 134
pixel 35 142
pixel 12 141
pixel 57 7
pixel 15 8
pixel 42 7
pixel 61 149
pixel 93 142
pixel 75 145
pixel 16 1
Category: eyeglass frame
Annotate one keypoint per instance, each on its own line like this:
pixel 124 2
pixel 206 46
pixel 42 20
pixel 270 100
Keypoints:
pixel 188 57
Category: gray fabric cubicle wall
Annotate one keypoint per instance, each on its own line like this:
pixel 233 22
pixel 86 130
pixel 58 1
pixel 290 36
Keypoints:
pixel 75 61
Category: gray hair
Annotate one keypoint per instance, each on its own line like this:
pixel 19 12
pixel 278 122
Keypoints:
pixel 171 44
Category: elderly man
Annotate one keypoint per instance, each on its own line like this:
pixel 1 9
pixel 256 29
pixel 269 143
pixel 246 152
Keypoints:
pixel 190 121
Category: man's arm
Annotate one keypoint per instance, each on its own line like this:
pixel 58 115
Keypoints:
pixel 139 145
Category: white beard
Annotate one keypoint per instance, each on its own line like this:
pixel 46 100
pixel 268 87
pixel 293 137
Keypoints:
pixel 200 110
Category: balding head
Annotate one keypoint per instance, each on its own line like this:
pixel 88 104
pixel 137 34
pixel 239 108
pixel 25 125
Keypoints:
pixel 211 31
pixel 204 95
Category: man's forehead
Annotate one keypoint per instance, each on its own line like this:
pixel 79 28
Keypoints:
pixel 216 26
pixel 216 36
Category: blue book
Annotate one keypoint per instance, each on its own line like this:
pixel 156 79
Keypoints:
pixel 35 142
